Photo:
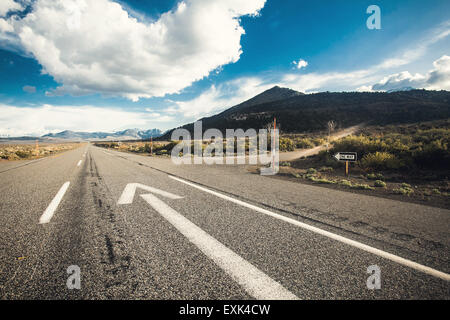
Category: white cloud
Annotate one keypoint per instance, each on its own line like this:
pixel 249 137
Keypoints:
pixel 5 26
pixel 93 46
pixel 29 89
pixel 439 77
pixel 412 54
pixel 300 64
pixel 218 98
pixel 8 5
pixel 36 121
pixel 436 79
pixel 400 80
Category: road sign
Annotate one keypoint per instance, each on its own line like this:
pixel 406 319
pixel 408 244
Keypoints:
pixel 346 156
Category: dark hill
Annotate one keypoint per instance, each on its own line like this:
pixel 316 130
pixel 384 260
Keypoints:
pixel 310 112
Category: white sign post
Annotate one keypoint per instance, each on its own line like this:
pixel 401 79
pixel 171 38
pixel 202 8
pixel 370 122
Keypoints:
pixel 347 157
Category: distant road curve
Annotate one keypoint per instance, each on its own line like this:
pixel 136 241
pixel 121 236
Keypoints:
pixel 293 155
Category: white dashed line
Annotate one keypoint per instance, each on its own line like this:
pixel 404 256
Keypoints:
pixel 79 163
pixel 50 211
pixel 353 243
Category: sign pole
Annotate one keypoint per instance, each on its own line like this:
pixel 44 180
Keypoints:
pixel 346 168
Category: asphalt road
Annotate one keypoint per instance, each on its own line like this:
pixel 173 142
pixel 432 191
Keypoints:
pixel 206 232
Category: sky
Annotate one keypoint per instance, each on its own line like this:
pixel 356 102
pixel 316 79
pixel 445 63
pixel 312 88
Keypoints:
pixel 105 65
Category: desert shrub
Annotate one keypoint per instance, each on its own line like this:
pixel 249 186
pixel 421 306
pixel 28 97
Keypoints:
pixel 346 183
pixel 436 191
pixel 304 143
pixel 371 176
pixel 406 185
pixel 287 144
pixel 375 176
pixel 360 144
pixel 434 153
pixel 167 147
pixel 403 191
pixel 381 161
pixel 380 184
pixel 162 152
pixel 285 164
pixel 23 154
pixel 326 169
pixel 412 148
pixel 311 171
pixel 361 186
pixel 323 180
pixel 318 141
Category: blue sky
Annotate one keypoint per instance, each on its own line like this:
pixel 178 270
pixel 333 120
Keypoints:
pixel 109 65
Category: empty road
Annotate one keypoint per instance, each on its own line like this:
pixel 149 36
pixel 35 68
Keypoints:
pixel 144 228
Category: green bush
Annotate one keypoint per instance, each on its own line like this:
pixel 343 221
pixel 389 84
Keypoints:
pixel 381 161
pixel 362 187
pixel 436 191
pixel 311 171
pixel 406 185
pixel 345 183
pixel 318 141
pixel 375 176
pixel 286 144
pixel 405 189
pixel 323 180
pixel 23 154
pixel 380 184
pixel 304 143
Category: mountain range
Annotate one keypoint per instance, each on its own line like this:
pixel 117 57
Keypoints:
pixel 128 134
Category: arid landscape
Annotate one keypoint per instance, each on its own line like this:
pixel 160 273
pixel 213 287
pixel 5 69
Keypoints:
pixel 26 151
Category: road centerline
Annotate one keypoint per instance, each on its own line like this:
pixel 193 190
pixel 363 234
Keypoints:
pixel 353 243
pixel 50 211
pixel 79 163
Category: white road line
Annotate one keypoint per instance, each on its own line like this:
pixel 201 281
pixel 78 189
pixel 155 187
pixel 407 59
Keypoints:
pixel 79 163
pixel 130 189
pixel 359 245
pixel 255 282
pixel 50 211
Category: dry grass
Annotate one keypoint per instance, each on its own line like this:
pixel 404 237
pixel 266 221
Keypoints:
pixel 29 151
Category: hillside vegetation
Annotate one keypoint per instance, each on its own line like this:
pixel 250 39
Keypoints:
pixel 299 113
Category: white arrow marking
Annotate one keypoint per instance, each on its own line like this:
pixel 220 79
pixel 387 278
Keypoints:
pixel 129 191
pixel 337 156
pixel 50 211
pixel 255 282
